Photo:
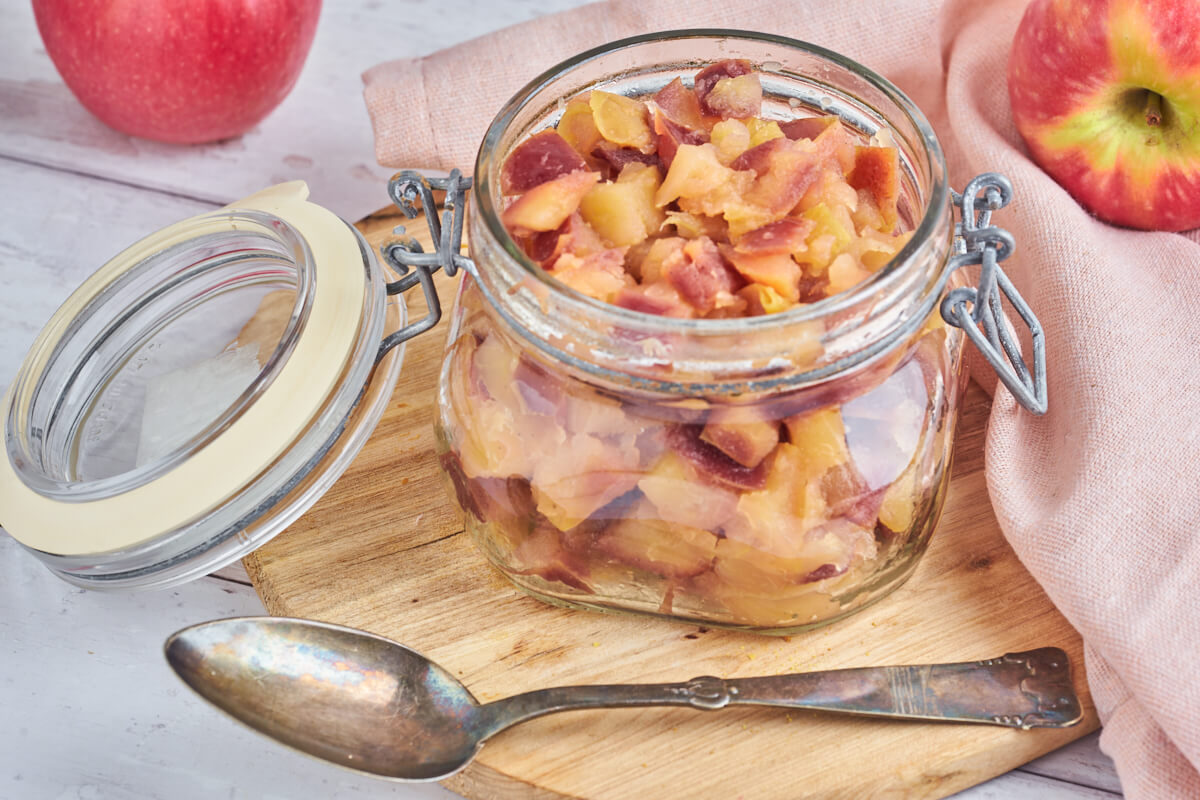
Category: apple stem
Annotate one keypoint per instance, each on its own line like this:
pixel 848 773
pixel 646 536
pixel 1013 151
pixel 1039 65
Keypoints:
pixel 1153 109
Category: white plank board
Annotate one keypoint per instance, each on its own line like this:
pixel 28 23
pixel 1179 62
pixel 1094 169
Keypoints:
pixel 92 710
pixel 1080 762
pixel 1024 786
pixel 320 133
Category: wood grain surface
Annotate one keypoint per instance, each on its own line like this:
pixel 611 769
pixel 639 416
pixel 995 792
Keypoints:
pixel 384 551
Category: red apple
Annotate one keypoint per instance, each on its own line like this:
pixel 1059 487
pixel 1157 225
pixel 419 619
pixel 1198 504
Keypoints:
pixel 1105 94
pixel 184 71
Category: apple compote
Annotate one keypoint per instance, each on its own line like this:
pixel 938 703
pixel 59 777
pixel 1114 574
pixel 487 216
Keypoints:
pixel 689 375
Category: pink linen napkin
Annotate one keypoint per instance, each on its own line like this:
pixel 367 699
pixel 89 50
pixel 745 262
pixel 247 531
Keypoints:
pixel 1100 498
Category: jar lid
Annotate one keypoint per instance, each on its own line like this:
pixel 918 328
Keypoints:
pixel 197 393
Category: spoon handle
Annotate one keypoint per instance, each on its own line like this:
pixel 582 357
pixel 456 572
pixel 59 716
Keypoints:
pixel 1018 690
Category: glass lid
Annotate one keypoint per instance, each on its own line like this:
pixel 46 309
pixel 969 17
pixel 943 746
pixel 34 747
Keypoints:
pixel 197 393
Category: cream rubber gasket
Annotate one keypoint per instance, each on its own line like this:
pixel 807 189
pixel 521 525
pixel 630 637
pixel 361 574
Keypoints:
pixel 238 454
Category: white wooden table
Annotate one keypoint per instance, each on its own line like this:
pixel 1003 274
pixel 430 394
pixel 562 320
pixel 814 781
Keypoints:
pixel 88 707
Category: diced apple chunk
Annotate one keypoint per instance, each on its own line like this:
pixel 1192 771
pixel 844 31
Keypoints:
pixel 762 300
pixel 707 79
pixel 663 548
pixel 821 437
pixel 578 127
pixel 731 137
pixel 877 169
pixel 601 275
pixel 547 206
pixel 576 479
pixel 736 98
pixel 742 433
pixel 622 120
pixel 844 273
pixel 679 495
pixel 540 158
pixel 778 271
pixel 680 105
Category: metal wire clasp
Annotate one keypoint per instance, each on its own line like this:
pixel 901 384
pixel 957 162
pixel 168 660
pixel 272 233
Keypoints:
pixel 412 193
pixel 977 311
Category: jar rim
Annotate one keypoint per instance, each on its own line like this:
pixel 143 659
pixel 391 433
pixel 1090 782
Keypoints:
pixel 937 200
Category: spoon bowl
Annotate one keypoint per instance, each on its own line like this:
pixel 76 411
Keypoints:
pixel 375 706
pixel 349 697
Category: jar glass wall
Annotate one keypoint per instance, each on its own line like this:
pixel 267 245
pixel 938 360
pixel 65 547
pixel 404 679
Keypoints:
pixel 768 473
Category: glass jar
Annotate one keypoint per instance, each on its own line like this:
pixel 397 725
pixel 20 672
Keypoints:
pixel 198 393
pixel 579 437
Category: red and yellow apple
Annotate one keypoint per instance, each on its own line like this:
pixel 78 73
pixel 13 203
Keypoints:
pixel 1106 94
pixel 184 71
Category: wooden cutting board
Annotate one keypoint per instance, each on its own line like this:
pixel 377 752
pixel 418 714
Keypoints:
pixel 385 551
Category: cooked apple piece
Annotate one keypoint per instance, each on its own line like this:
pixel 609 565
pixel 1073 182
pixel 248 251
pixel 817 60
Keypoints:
pixel 601 275
pixel 707 79
pixel 696 172
pixel 647 178
pixel 506 443
pixel 505 501
pixel 874 249
pixel 711 462
pixel 866 214
pixel 900 500
pixel 762 300
pixel 595 414
pixel 785 169
pixel 798 605
pixel 788 235
pixel 778 271
pixel 830 188
pixel 578 127
pixel 659 258
pixel 573 236
pixel 624 213
pixel 736 98
pixel 742 432
pixel 494 366
pixel 848 496
pixel 547 206
pixel 877 169
pixel 701 276
pixel 540 158
pixel 572 481
pixel 659 298
pixel 618 157
pixel 821 437
pixel 669 135
pixel 679 104
pixel 832 233
pixel 622 120
pixel 844 273
pixel 679 494
pixel 541 553
pixel 837 143
pixel 692 226
pixel 731 137
pixel 612 211
pixel 663 548
pixel 806 127
pixel 763 130
pixel 540 390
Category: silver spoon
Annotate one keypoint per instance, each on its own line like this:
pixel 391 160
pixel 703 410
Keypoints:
pixel 370 704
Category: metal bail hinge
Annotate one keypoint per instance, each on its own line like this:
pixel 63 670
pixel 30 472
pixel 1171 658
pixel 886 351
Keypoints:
pixel 977 311
pixel 412 193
